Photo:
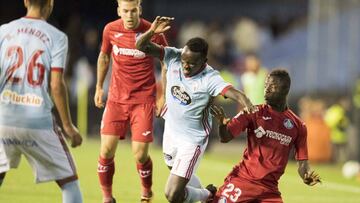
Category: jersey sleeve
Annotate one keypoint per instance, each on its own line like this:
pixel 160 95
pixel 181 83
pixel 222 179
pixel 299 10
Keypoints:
pixel 171 54
pixel 301 152
pixel 59 54
pixel 216 84
pixel 239 123
pixel 105 44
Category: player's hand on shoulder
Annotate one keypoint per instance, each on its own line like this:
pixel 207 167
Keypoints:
pixel 73 134
pixel 311 178
pixel 98 98
pixel 161 24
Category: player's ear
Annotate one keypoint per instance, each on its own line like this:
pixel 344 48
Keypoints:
pixel 140 10
pixel 118 11
pixel 26 3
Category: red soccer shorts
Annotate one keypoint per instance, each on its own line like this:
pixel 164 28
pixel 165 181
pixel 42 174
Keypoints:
pixel 238 190
pixel 117 117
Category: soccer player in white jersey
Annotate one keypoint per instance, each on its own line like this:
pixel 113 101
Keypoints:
pixel 191 85
pixel 32 62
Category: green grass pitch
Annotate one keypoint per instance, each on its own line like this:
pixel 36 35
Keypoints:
pixel 19 185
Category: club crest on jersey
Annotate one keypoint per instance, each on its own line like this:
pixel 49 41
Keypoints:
pixel 259 132
pixel 137 35
pixel 195 86
pixel 179 94
pixel 288 124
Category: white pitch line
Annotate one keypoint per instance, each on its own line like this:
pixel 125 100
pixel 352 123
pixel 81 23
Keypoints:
pixel 332 185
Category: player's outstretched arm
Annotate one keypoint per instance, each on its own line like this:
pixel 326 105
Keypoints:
pixel 309 177
pixel 218 113
pixel 102 69
pixel 143 43
pixel 60 97
pixel 241 98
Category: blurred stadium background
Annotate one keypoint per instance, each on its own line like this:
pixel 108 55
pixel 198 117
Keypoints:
pixel 318 41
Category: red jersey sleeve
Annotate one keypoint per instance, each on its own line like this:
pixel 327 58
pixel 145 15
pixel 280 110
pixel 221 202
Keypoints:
pixel 301 152
pixel 239 123
pixel 106 45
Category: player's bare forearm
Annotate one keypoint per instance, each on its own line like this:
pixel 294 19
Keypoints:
pixel 102 68
pixel 144 44
pixel 60 97
pixel 309 177
pixel 219 114
pixel 239 97
pixel 303 167
pixel 224 134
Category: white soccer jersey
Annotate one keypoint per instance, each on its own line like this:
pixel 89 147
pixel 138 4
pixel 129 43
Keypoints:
pixel 187 98
pixel 29 50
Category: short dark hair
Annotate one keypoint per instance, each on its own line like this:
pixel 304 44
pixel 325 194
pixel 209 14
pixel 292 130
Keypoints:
pixel 198 44
pixel 40 3
pixel 283 78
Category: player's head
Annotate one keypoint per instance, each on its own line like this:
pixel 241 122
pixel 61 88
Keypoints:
pixel 194 56
pixel 277 86
pixel 129 11
pixel 44 7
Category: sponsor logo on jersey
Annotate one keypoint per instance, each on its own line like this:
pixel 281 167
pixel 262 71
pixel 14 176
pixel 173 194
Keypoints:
pixel 265 118
pixel 144 173
pixel 167 157
pixel 10 97
pixel 128 52
pixel 288 124
pixel 117 35
pixel 284 139
pixel 179 94
pixel 25 143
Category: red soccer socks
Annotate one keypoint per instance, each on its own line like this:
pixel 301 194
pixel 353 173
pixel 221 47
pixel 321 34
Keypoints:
pixel 106 170
pixel 145 173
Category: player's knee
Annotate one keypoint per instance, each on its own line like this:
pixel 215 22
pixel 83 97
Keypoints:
pixel 106 152
pixel 141 157
pixel 173 195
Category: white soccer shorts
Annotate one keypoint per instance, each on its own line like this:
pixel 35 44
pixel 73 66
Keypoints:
pixel 45 150
pixel 182 156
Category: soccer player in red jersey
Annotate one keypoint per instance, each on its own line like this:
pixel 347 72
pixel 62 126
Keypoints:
pixel 272 131
pixel 131 97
